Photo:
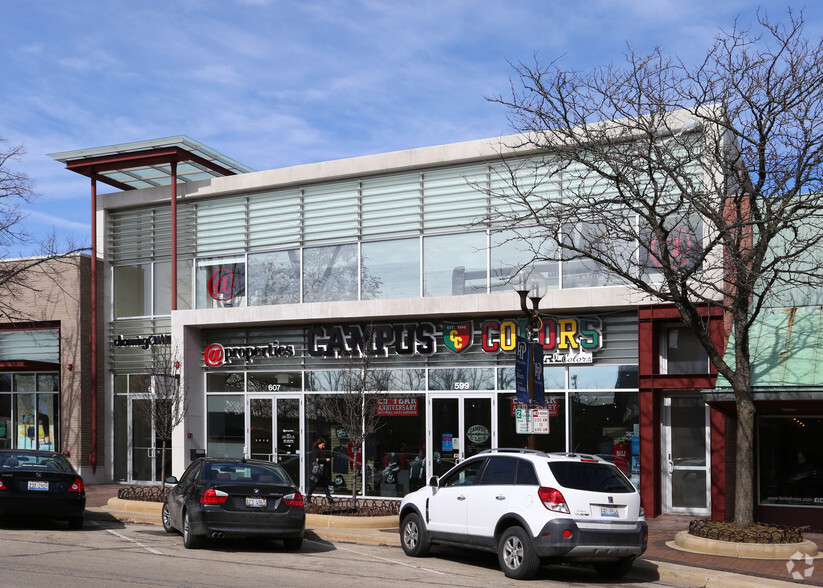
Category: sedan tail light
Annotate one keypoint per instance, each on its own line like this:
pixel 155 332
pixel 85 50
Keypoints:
pixel 295 500
pixel 212 496
pixel 3 486
pixel 553 499
pixel 77 486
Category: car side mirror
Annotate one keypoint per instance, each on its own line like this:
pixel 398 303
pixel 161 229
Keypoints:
pixel 171 480
pixel 433 481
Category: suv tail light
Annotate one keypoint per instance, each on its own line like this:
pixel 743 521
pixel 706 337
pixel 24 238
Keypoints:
pixel 552 499
pixel 77 486
pixel 212 496
pixel 295 500
pixel 3 486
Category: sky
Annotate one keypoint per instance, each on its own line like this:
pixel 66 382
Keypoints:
pixel 276 83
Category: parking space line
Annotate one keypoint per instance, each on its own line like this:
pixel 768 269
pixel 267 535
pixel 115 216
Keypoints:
pixel 392 561
pixel 146 547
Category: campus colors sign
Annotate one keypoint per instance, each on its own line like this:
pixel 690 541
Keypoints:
pixel 564 339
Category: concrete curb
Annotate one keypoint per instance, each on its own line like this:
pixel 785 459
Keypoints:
pixel 687 542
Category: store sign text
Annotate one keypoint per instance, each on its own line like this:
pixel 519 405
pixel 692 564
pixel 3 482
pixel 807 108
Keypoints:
pixel 339 341
pixel 144 342
pixel 564 339
pixel 397 407
pixel 216 354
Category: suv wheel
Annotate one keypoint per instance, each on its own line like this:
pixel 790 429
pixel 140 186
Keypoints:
pixel 614 569
pixel 516 554
pixel 413 536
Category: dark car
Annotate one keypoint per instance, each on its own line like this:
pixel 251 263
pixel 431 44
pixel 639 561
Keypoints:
pixel 41 483
pixel 235 497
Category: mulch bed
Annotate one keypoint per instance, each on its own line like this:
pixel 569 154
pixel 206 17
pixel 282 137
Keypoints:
pixel 754 533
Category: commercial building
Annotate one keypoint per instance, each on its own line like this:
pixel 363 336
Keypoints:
pixel 46 364
pixel 265 290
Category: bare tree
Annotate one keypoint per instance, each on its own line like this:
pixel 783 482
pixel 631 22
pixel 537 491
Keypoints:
pixel 16 274
pixel 164 401
pixel 697 185
pixel 355 408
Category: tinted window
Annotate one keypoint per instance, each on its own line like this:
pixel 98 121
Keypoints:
pixel 244 472
pixel 500 470
pixel 593 477
pixel 526 476
pixel 465 475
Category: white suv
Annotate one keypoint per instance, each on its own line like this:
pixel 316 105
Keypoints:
pixel 530 508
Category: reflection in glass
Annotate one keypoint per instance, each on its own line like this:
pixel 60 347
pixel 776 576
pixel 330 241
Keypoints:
pixel 580 272
pixel 330 273
pixel 274 381
pixel 554 378
pixel 511 252
pixel 274 278
pixel 132 290
pixel 790 459
pixel 454 264
pixel 221 283
pixel 162 286
pixel 461 379
pixel 381 379
pixel 391 269
pixel 603 423
pixel 603 377
pixel 225 434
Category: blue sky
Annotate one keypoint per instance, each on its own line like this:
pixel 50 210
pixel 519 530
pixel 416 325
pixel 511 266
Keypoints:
pixel 273 83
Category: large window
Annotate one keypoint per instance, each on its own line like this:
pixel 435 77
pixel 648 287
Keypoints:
pixel 274 278
pixel 790 460
pixel 29 411
pixel 391 269
pixel 132 290
pixel 330 273
pixel 681 352
pixel 221 282
pixel 455 264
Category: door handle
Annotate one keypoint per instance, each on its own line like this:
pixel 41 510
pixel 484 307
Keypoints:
pixel 461 498
pixel 671 464
pixel 500 497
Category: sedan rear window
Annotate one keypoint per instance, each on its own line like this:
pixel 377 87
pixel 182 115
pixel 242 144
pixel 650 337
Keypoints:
pixel 591 477
pixel 246 473
pixel 54 463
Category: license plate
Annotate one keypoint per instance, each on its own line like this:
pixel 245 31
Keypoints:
pixel 255 502
pixel 33 485
pixel 609 511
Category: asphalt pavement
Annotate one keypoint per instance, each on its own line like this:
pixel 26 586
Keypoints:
pixel 662 560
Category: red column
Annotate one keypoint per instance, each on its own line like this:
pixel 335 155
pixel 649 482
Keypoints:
pixel 174 235
pixel 93 455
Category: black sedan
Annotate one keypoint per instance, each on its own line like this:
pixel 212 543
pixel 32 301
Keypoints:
pixel 234 497
pixel 41 483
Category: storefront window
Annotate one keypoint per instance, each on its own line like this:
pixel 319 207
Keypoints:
pixel 274 278
pixel 606 424
pixel 330 273
pixel 132 290
pixel 221 283
pixel 790 459
pixel 388 379
pixel 602 376
pixel 225 382
pixel 681 352
pixel 394 454
pixel 585 273
pixel 5 421
pixel 274 382
pixel 226 425
pixel 554 378
pixel 454 264
pixel 461 379
pixel 507 435
pixel 391 269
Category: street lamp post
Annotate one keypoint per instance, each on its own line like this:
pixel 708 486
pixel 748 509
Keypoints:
pixel 532 286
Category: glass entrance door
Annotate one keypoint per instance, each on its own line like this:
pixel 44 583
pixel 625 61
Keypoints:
pixel 459 427
pixel 686 479
pixel 273 431
pixel 146 446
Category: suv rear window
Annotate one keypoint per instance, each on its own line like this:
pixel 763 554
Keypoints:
pixel 591 477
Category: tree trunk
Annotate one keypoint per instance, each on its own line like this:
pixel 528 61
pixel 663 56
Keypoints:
pixel 744 471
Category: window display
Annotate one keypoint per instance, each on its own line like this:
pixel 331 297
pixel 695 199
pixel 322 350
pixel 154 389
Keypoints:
pixel 790 460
